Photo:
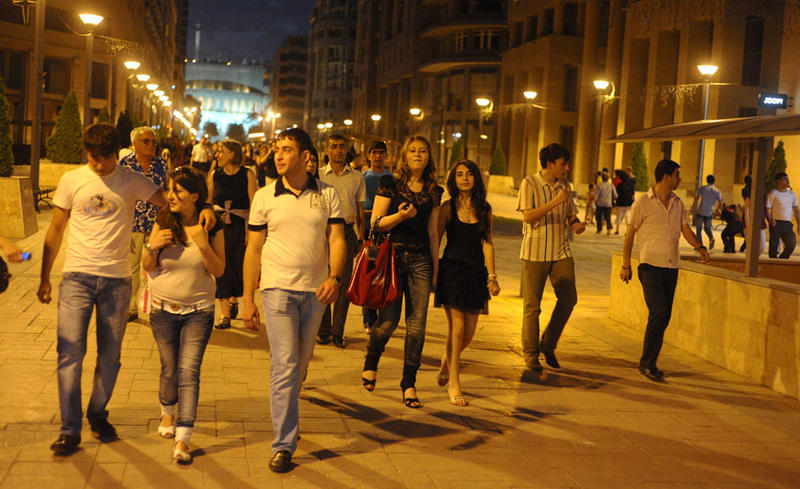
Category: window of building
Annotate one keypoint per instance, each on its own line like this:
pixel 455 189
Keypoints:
pixel 57 75
pixel 605 12
pixel 533 26
pixel 12 68
pixel 516 34
pixel 753 45
pixel 486 40
pixel 567 137
pixel 570 102
pixel 570 19
pixel 10 13
pixel 461 41
pixel 547 24
pixel 100 77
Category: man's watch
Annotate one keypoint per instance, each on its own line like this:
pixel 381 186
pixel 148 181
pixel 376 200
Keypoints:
pixel 337 278
pixel 150 249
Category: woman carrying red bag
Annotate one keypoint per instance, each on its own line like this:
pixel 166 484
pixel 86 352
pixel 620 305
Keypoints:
pixel 407 205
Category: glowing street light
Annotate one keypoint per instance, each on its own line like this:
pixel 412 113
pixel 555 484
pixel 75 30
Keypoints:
pixel 152 86
pixel 91 19
pixel 158 93
pixel 320 126
pixel 601 84
pixel 707 70
pixel 132 65
pixel 348 122
pixel 328 125
pixel 529 94
pixel 142 77
pixel 483 102
pixel 375 117
pixel 415 111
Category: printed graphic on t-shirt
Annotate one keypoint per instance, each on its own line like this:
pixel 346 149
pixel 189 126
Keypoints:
pixel 100 206
pixel 317 202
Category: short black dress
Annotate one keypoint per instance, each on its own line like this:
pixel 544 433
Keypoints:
pixel 230 192
pixel 463 277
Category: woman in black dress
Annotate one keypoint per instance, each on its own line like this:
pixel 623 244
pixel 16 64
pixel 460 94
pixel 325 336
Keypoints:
pixel 466 270
pixel 231 190
pixel 407 206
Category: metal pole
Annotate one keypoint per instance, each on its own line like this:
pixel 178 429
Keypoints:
pixel 36 136
pixel 598 122
pixel 524 167
pixel 703 141
pixel 757 191
pixel 87 101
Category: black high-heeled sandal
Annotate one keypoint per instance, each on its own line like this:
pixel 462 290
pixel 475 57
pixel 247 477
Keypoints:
pixel 410 402
pixel 369 385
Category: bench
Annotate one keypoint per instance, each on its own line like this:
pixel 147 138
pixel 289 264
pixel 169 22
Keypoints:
pixel 44 195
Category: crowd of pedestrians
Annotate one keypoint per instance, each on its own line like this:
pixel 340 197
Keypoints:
pixel 209 234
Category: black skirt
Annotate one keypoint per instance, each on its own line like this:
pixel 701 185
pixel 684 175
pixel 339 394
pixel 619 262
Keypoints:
pixel 231 283
pixel 462 284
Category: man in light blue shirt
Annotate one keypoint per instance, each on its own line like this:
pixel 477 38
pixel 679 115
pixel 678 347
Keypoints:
pixel 706 202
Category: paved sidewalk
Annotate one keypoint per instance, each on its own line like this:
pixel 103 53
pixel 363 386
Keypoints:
pixel 596 423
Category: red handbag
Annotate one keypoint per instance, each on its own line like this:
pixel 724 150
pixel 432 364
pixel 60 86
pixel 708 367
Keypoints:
pixel 374 280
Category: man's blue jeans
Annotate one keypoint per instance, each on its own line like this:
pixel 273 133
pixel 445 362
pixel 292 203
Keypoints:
pixel 703 223
pixel 181 340
pixel 79 293
pixel 292 320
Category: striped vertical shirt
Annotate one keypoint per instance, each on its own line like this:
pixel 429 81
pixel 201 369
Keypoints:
pixel 545 239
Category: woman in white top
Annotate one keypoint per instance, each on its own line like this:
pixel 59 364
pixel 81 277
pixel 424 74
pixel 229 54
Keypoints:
pixel 181 264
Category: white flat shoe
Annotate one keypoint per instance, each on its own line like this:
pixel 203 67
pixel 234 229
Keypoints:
pixel 166 431
pixel 180 453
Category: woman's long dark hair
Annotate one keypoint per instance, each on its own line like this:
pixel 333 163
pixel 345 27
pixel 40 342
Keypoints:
pixel 477 196
pixel 194 183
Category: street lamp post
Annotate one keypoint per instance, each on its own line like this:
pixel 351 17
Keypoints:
pixel 529 95
pixel 485 105
pixel 601 86
pixel 707 71
pixel 376 118
pixel 92 21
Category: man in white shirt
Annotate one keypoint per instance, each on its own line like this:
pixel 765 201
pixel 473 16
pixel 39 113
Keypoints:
pixel 781 205
pixel 202 154
pixel 659 218
pixel 349 184
pixel 296 241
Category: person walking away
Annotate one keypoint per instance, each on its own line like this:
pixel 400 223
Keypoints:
pixel 626 190
pixel 466 271
pixel 349 184
pixel 658 219
pixel 781 205
pixel 232 187
pixel 182 260
pixel 202 155
pixel 376 156
pixel 407 206
pixel 548 214
pixel 143 161
pixel 705 205
pixel 606 194
pixel 296 242
pixel 591 197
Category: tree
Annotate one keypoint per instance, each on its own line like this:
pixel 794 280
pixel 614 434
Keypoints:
pixel 236 131
pixel 456 154
pixel 104 116
pixel 64 145
pixel 639 165
pixel 210 128
pixel 125 126
pixel 6 154
pixel 777 165
pixel 498 166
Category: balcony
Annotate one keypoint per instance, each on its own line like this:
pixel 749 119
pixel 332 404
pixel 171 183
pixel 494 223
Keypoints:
pixel 443 29
pixel 437 64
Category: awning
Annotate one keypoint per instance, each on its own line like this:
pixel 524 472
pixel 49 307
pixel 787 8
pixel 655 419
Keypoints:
pixel 740 127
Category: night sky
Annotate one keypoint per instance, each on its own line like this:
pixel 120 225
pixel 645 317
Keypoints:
pixel 246 28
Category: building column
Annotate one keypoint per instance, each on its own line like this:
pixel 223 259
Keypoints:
pixel 586 137
pixel 614 50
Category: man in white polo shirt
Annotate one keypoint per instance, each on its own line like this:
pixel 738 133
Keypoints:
pixel 349 184
pixel 781 205
pixel 659 218
pixel 295 236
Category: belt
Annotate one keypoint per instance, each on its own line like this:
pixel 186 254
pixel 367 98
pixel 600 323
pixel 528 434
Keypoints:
pixel 176 308
pixel 227 211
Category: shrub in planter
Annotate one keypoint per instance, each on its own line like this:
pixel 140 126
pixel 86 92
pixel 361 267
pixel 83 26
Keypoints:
pixel 6 154
pixel 64 146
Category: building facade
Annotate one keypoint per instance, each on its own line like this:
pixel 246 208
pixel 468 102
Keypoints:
pixel 288 84
pixel 153 41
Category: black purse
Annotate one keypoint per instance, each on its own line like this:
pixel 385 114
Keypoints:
pixel 5 277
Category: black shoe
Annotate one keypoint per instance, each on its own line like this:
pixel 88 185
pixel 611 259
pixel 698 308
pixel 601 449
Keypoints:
pixel 225 323
pixel 133 316
pixel 339 341
pixel 65 445
pixel 652 373
pixel 532 363
pixel 655 372
pixel 711 244
pixel 323 339
pixel 234 310
pixel 550 358
pixel 281 462
pixel 103 430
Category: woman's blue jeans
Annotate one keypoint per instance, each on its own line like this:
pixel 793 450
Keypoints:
pixel 181 340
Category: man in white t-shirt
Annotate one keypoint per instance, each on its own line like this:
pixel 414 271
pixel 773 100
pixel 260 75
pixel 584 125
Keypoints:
pixel 97 201
pixel 781 205
pixel 296 241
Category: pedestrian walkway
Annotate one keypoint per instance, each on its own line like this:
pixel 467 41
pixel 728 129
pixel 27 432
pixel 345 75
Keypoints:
pixel 596 423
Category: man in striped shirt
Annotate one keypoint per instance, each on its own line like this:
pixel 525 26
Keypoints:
pixel 548 212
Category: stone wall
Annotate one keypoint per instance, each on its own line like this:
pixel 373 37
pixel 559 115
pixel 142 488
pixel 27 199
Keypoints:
pixel 17 215
pixel 50 173
pixel 750 326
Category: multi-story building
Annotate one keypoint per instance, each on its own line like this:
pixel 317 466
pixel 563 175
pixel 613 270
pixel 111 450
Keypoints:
pixel 331 51
pixel 437 58
pixel 365 71
pixel 288 84
pixel 152 40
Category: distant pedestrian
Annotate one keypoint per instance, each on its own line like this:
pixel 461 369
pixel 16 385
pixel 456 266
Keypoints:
pixel 781 206
pixel 748 182
pixel 349 184
pixel 466 271
pixel 548 214
pixel 626 191
pixel 182 260
pixel 705 206
pixel 144 161
pixel 734 224
pixel 97 201
pixel 659 219
pixel 606 194
pixel 407 205
pixel 202 156
pixel 296 244
pixel 231 190
pixel 591 197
